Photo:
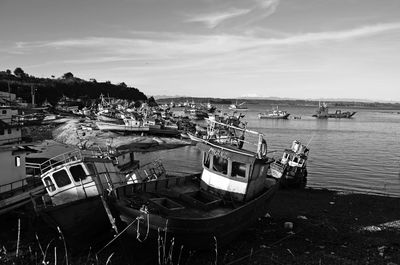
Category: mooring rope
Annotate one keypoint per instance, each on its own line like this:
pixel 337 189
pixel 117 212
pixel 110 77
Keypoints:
pixel 144 210
pixel 116 236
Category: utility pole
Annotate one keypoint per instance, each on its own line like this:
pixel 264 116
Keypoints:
pixel 33 96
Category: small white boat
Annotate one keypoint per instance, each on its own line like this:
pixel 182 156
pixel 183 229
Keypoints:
pixel 274 114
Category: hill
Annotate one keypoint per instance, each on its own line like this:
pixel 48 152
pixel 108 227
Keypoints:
pixel 52 89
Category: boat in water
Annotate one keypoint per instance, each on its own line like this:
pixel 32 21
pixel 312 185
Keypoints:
pixel 291 169
pixel 236 106
pixel 323 113
pixel 274 114
pixel 231 193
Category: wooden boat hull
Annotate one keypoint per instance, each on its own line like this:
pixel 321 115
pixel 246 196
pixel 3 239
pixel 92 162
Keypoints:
pixel 288 176
pixel 197 233
pixel 343 115
pixel 82 218
pixel 105 126
pixel 107 119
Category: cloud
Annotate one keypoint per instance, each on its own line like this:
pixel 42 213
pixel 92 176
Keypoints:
pixel 172 44
pixel 268 4
pixel 337 35
pixel 214 19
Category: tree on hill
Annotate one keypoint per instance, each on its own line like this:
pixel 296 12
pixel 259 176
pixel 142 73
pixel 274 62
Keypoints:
pixel 68 75
pixel 19 72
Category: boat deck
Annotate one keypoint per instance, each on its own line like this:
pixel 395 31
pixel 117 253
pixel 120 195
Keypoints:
pixel 183 200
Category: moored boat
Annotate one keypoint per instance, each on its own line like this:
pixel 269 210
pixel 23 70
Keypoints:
pixel 232 191
pixel 274 114
pixel 291 169
pixel 323 113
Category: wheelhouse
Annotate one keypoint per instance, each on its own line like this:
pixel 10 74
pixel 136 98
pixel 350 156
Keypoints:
pixel 232 173
pixel 72 176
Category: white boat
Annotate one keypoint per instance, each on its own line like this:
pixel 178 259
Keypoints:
pixel 274 114
pixel 130 125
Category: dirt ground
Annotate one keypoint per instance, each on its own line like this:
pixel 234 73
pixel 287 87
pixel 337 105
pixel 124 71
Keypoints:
pixel 303 227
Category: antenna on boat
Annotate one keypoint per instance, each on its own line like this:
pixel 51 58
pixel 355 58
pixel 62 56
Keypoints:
pixel 312 136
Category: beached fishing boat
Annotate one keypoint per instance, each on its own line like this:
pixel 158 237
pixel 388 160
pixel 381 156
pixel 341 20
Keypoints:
pixel 323 112
pixel 291 169
pixel 76 183
pixel 274 114
pixel 110 116
pixel 232 192
pixel 129 125
pixel 197 114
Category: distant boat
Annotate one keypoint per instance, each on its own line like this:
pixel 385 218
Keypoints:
pixel 205 209
pixel 291 169
pixel 274 114
pixel 237 106
pixel 323 113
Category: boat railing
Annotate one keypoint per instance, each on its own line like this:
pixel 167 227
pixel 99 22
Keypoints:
pixel 259 141
pixel 22 184
pixel 56 161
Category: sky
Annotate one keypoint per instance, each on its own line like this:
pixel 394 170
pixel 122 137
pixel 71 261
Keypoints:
pixel 211 48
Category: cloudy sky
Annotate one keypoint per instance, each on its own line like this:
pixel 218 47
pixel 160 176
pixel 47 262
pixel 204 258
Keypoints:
pixel 218 48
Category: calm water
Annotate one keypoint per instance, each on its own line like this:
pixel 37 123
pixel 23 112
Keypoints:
pixel 361 154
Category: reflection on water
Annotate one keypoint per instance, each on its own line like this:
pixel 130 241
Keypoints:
pixel 359 154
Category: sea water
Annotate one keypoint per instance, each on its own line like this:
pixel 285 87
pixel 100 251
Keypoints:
pixel 361 154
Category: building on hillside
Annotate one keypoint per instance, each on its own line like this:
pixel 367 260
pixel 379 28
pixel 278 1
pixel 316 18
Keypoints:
pixel 10 132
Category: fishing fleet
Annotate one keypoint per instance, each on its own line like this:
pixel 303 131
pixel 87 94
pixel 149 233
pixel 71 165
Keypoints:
pixel 89 192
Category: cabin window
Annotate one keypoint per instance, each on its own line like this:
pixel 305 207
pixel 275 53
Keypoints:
pixel 17 161
pixel 49 184
pixel 295 159
pixel 238 169
pixel 77 173
pixel 61 178
pixel 1 131
pixel 9 130
pixel 4 111
pixel 206 160
pixel 220 164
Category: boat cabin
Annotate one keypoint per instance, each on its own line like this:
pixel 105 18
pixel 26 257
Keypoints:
pixel 233 173
pixel 74 176
pixel 296 156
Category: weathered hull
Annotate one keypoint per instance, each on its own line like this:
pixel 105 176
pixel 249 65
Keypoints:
pixel 277 170
pixel 83 218
pixel 197 233
pixel 344 115
pixel 105 126
pixel 107 119
pixel 164 131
